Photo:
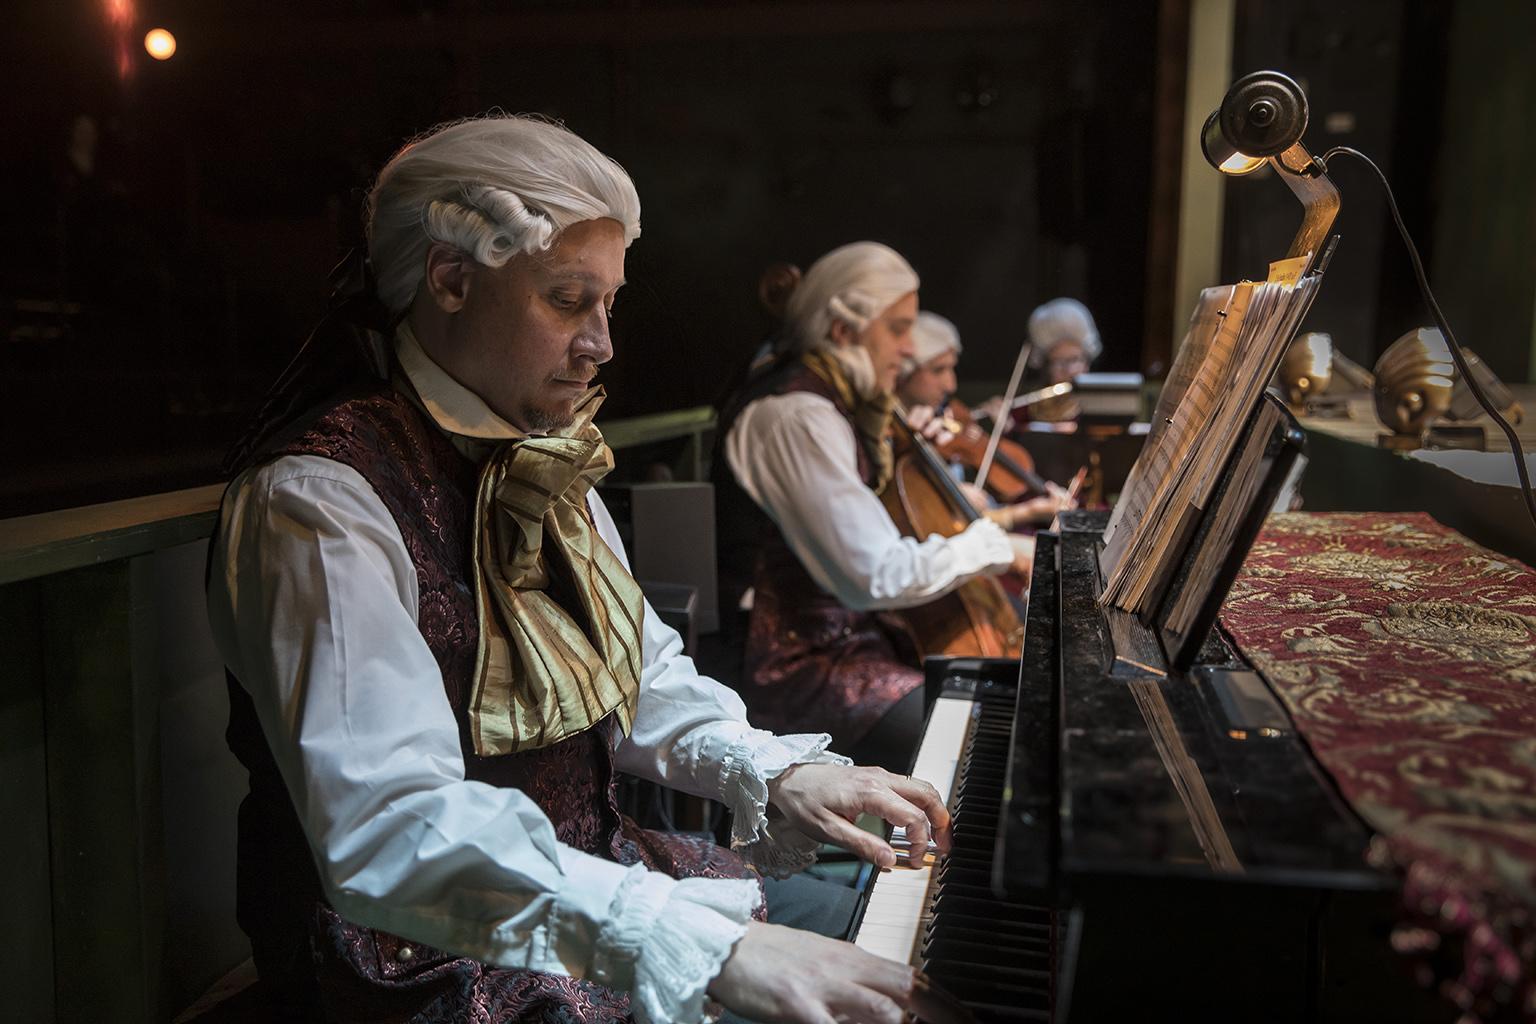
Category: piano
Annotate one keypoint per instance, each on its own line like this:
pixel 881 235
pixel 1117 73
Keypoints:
pixel 1134 841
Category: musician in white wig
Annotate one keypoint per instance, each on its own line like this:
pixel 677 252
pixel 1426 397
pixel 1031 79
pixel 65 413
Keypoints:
pixel 927 382
pixel 438 658
pixel 928 378
pixel 1064 339
pixel 802 456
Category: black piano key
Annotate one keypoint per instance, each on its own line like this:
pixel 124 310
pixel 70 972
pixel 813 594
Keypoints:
pixel 997 957
pixel 1011 997
pixel 995 954
pixel 1026 972
pixel 974 931
pixel 981 907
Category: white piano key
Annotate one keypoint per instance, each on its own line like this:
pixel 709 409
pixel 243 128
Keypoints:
pixel 899 898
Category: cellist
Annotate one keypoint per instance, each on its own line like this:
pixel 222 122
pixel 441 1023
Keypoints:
pixel 802 452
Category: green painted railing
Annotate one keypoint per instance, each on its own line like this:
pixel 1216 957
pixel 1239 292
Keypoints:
pixel 39 545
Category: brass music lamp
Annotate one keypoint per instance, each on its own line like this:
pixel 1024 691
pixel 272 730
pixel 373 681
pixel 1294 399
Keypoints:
pixel 1307 368
pixel 1465 407
pixel 1261 120
pixel 1263 115
pixel 1415 377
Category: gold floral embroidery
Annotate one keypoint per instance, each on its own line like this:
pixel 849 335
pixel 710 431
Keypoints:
pixel 1407 657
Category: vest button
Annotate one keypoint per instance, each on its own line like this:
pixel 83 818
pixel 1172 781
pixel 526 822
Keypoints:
pixel 405 954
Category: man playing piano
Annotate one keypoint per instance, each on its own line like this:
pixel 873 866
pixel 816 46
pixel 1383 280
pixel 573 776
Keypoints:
pixel 439 659
pixel 802 456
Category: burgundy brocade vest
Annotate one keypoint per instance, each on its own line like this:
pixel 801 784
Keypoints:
pixel 428 488
pixel 811 664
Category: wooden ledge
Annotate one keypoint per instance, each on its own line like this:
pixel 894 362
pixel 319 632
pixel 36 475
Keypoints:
pixel 50 542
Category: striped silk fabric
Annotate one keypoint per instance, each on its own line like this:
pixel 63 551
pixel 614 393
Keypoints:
pixel 543 674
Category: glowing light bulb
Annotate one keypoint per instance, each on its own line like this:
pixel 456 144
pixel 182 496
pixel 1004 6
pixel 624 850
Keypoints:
pixel 1241 163
pixel 160 44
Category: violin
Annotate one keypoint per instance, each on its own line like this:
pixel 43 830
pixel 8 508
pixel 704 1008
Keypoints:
pixel 1012 477
pixel 977 618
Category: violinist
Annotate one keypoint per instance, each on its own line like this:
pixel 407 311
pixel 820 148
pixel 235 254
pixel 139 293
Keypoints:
pixel 1065 340
pixel 929 377
pixel 801 457
pixel 1018 497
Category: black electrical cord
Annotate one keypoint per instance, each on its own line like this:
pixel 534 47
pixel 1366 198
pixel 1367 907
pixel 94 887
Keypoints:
pixel 1445 328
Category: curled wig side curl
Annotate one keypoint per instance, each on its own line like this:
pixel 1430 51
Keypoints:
pixel 492 187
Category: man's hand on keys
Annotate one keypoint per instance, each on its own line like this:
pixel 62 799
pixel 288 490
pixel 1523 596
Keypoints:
pixel 825 800
pixel 783 975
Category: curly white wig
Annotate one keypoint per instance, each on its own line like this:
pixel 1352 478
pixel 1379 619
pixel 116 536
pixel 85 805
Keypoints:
pixel 492 187
pixel 853 283
pixel 1062 320
pixel 932 336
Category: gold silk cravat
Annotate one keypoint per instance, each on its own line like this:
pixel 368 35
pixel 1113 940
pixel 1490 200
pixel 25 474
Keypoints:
pixel 542 674
pixel 871 416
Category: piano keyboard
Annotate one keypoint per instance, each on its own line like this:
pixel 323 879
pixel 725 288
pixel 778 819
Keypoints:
pixel 900 896
pixel 995 956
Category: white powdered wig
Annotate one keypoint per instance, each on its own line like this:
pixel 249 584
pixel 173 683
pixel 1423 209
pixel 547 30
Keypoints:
pixel 493 187
pixel 853 283
pixel 932 336
pixel 1062 320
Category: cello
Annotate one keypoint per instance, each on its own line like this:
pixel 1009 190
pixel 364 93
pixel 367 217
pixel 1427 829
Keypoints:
pixel 977 618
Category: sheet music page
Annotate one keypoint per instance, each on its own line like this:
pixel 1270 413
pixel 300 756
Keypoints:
pixel 1160 470
pixel 1235 502
pixel 1203 325
pixel 1192 438
pixel 1176 478
pixel 1286 297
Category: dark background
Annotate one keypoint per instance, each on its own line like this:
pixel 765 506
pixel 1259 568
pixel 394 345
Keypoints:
pixel 1014 151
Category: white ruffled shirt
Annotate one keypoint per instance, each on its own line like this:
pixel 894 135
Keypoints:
pixel 313 602
pixel 797 456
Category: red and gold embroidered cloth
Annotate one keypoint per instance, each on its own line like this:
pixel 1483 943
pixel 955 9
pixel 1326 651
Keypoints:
pixel 1407 656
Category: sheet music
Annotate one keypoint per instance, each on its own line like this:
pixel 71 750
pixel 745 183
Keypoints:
pixel 1160 470
pixel 1245 480
pixel 1203 325
pixel 1215 391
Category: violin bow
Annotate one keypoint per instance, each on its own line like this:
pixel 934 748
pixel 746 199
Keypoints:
pixel 1002 418
pixel 1031 398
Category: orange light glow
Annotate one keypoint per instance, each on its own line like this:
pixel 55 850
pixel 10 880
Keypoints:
pixel 1241 163
pixel 160 44
pixel 119 12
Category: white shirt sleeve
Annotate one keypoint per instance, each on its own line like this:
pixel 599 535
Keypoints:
pixel 691 733
pixel 795 455
pixel 312 601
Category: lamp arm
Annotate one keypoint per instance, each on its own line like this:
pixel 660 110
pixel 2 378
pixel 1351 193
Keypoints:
pixel 1307 178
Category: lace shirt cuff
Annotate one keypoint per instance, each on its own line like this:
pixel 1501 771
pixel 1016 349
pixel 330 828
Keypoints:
pixel 666 940
pixel 773 848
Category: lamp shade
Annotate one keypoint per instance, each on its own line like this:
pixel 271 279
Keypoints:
pixel 1222 155
pixel 1262 115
